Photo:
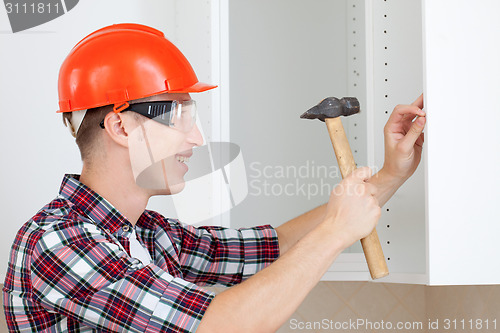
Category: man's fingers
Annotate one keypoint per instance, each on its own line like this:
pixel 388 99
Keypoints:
pixel 419 101
pixel 413 134
pixel 420 140
pixel 403 112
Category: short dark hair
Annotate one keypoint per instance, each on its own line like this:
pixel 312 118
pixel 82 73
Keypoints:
pixel 89 131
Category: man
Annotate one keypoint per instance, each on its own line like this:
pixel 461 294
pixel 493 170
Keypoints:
pixel 94 259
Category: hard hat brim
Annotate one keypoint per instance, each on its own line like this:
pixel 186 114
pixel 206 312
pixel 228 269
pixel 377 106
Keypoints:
pixel 195 88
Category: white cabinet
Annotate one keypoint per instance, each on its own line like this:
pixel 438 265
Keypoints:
pixel 285 56
pixel 462 85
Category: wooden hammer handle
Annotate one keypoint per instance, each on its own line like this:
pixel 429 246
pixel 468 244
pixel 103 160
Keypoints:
pixel 371 244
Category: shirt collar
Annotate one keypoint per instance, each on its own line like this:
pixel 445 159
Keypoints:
pixel 92 204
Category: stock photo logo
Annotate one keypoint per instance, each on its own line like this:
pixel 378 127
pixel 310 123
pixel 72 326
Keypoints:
pixel 25 14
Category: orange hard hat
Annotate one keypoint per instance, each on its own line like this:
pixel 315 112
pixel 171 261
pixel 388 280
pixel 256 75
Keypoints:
pixel 123 62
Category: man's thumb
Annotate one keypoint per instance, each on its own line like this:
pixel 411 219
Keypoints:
pixel 413 134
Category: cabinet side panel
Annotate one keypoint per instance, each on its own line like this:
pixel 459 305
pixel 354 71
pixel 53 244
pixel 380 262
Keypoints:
pixel 462 88
pixel 397 79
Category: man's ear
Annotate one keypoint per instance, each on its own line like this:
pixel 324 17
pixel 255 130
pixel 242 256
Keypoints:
pixel 116 125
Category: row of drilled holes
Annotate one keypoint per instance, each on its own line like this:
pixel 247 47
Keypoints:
pixel 387 112
pixel 386 96
pixel 355 72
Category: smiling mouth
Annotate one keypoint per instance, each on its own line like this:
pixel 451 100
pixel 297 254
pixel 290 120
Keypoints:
pixel 182 159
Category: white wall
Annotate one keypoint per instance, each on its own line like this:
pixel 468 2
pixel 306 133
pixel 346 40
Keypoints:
pixel 36 149
pixel 285 57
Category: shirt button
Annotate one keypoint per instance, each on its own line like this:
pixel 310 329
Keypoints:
pixel 125 228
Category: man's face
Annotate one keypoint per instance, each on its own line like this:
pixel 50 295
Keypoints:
pixel 158 152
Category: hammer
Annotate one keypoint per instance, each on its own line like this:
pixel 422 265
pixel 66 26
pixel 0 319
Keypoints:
pixel 329 111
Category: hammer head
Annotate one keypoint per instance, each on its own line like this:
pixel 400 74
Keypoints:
pixel 332 107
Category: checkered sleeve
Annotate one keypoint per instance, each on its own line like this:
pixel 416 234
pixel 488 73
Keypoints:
pixel 79 273
pixel 211 255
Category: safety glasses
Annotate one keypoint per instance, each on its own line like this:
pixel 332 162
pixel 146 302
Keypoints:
pixel 180 115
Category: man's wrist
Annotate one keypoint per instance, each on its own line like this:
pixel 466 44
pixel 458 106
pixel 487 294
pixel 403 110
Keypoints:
pixel 336 237
pixel 385 178
pixel 386 184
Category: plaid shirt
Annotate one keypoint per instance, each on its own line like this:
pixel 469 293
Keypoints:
pixel 70 268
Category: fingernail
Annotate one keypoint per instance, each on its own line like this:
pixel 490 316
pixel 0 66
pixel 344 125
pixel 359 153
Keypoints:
pixel 420 121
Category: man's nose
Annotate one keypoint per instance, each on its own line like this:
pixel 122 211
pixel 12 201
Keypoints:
pixel 194 136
